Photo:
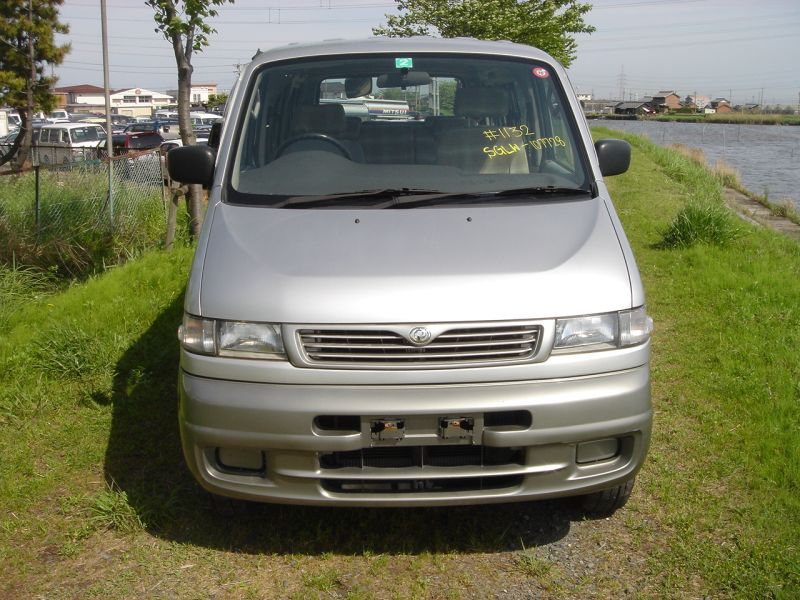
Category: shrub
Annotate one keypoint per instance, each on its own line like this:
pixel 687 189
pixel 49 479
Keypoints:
pixel 700 223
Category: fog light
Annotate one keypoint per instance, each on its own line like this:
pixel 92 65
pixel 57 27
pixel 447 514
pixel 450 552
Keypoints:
pixel 597 450
pixel 240 460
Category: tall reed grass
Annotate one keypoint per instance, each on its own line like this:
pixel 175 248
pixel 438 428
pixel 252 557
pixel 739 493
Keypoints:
pixel 74 230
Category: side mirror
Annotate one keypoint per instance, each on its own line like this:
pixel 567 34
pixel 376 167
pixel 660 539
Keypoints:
pixel 614 156
pixel 192 164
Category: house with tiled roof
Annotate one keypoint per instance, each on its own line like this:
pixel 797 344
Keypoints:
pixel 666 100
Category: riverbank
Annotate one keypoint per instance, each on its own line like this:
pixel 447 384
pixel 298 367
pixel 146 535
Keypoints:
pixel 718 118
pixel 756 212
pixel 766 159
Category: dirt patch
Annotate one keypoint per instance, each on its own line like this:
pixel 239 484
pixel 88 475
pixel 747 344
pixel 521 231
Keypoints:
pixel 757 213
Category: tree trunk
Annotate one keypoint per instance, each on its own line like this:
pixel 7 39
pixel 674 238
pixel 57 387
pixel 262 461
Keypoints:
pixel 23 158
pixel 194 200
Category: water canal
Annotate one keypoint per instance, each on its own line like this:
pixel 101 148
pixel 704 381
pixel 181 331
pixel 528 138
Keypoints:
pixel 767 157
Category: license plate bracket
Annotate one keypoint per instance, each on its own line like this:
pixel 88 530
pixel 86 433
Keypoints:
pixel 456 427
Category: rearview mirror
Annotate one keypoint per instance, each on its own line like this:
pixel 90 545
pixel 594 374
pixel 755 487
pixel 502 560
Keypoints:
pixel 403 79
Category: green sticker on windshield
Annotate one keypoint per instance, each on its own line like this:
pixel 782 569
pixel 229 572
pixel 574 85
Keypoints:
pixel 403 63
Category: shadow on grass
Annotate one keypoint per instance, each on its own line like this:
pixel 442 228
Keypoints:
pixel 144 460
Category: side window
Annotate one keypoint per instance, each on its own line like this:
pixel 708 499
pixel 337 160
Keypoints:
pixel 44 136
pixel 63 136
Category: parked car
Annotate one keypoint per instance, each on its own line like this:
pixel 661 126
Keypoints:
pixel 412 312
pixel 124 143
pixel 132 162
pixel 58 116
pixel 166 128
pixel 68 142
pixel 168 145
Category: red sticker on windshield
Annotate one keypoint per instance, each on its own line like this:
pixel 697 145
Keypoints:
pixel 541 73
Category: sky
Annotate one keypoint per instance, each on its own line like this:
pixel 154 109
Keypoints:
pixel 742 50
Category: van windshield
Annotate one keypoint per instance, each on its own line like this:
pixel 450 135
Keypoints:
pixel 438 124
pixel 85 134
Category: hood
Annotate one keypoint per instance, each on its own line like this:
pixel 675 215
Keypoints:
pixel 544 260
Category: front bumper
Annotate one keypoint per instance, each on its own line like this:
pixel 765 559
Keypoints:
pixel 275 442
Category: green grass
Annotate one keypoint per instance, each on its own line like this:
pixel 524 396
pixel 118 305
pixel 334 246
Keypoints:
pixel 736 118
pixel 97 503
pixel 75 233
pixel 725 466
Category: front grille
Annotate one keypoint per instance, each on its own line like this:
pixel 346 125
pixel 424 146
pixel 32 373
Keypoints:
pixel 492 344
pixel 411 486
pixel 400 457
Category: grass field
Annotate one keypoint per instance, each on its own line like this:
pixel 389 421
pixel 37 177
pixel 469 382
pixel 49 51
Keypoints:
pixel 97 503
pixel 744 118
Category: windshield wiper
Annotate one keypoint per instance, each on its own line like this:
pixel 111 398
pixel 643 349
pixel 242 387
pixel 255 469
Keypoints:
pixel 371 196
pixel 415 197
pixel 544 191
pixel 524 194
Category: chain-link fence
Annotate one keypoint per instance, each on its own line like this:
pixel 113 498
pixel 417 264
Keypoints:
pixel 73 214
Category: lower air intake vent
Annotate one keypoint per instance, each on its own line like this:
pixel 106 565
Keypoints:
pixel 422 456
pixel 416 486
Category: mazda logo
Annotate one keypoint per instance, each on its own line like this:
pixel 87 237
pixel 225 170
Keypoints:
pixel 419 336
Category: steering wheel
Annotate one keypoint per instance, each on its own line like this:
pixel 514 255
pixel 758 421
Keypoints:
pixel 317 137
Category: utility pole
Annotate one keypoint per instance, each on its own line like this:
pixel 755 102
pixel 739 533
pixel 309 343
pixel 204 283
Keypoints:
pixel 107 94
pixel 28 141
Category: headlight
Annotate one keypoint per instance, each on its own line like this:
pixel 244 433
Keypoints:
pixel 604 331
pixel 231 338
pixel 263 340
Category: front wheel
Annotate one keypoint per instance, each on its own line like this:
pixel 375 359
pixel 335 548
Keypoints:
pixel 604 503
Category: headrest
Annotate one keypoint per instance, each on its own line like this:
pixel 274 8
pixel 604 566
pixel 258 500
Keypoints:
pixel 325 118
pixel 479 102
pixel 439 123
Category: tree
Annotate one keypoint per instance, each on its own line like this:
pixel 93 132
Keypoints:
pixel 545 24
pixel 184 24
pixel 27 46
pixel 215 100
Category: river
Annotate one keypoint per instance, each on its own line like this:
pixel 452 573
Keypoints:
pixel 767 157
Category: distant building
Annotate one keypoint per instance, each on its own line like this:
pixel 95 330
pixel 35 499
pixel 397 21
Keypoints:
pixel 696 102
pixel 138 102
pixel 86 98
pixel 198 94
pixel 637 107
pixel 666 100
pixel 720 105
pixel 82 98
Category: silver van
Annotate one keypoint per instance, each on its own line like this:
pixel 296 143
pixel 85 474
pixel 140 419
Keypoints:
pixel 435 310
pixel 68 142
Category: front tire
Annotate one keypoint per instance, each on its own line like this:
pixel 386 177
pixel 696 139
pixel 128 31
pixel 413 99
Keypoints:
pixel 606 502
